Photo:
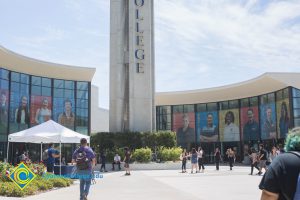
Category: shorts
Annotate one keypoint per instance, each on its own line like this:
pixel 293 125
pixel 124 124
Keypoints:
pixel 262 164
pixel 126 165
pixel 50 167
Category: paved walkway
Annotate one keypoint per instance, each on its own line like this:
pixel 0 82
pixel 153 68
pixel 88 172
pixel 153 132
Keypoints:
pixel 166 185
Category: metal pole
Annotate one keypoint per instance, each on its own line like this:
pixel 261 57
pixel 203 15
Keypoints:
pixel 41 151
pixel 7 152
pixel 60 158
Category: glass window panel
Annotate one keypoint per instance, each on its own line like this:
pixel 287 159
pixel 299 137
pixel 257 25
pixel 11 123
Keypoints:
pixel 178 109
pixel 286 93
pixel 245 102
pixel 296 112
pixel 188 108
pixel 279 95
pixel 296 92
pixel 36 80
pixel 201 107
pixel 263 99
pixel 4 74
pixel 69 84
pixel 297 122
pixel 36 90
pixel 224 105
pixel 82 94
pixel 15 87
pixel 58 83
pixel 15 77
pixel 296 102
pixel 46 91
pixel 253 101
pixel 212 106
pixel 24 89
pixel 69 93
pixel 271 97
pixel 4 84
pixel 59 92
pixel 24 78
pixel 46 82
pixel 82 85
pixel 234 104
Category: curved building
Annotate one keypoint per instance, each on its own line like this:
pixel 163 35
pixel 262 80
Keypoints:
pixel 34 91
pixel 237 116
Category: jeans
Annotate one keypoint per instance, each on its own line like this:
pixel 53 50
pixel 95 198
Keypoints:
pixel 85 178
pixel 217 164
pixel 183 166
pixel 200 163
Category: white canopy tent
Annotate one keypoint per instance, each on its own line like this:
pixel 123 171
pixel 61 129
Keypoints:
pixel 47 132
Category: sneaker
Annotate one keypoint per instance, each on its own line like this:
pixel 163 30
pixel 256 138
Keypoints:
pixel 84 197
pixel 250 174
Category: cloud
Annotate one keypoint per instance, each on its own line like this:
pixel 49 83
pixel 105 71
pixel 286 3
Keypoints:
pixel 236 36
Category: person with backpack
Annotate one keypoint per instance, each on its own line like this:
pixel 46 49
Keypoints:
pixel 282 179
pixel 85 160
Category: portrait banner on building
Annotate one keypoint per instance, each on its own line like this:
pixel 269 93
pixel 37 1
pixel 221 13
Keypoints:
pixel 207 127
pixel 4 99
pixel 250 124
pixel 283 117
pixel 268 121
pixel 229 125
pixel 63 112
pixel 184 125
pixel 40 109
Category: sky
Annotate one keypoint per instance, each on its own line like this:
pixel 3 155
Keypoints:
pixel 198 43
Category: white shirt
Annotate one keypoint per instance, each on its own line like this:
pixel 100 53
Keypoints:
pixel 117 158
pixel 231 132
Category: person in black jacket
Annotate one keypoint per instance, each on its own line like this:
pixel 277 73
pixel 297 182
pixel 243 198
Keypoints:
pixel 217 157
pixel 282 180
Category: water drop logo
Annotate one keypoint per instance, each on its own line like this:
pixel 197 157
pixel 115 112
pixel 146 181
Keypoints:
pixel 22 176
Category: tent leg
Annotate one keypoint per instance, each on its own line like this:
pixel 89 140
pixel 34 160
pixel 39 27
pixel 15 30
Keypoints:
pixel 7 152
pixel 41 152
pixel 60 159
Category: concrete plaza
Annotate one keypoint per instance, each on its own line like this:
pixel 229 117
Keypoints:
pixel 166 184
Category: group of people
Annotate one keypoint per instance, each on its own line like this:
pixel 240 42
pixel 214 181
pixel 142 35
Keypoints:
pixel 262 159
pixel 116 161
pixel 197 159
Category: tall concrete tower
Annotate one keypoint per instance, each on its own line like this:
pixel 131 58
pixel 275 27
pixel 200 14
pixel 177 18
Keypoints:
pixel 132 71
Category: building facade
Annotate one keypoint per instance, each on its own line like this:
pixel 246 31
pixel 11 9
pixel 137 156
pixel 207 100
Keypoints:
pixel 34 91
pixel 238 116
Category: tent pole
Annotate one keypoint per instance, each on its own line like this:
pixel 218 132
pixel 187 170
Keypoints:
pixel 41 152
pixel 7 152
pixel 60 159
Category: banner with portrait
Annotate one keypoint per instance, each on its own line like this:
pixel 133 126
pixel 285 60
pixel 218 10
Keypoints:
pixel 268 121
pixel 40 109
pixel 63 112
pixel 184 126
pixel 4 99
pixel 283 117
pixel 207 126
pixel 250 124
pixel 229 125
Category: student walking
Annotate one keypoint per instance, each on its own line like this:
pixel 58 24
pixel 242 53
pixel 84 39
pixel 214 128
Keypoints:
pixel 217 157
pixel 103 161
pixel 85 160
pixel 231 157
pixel 183 158
pixel 254 160
pixel 194 156
pixel 127 160
pixel 200 154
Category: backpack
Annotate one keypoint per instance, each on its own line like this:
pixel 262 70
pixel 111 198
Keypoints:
pixel 82 162
pixel 297 192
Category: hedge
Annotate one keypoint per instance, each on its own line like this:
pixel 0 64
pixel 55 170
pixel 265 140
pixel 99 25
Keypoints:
pixel 134 140
pixel 142 155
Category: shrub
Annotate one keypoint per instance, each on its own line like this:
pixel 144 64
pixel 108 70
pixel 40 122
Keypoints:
pixel 169 154
pixel 142 155
pixel 59 182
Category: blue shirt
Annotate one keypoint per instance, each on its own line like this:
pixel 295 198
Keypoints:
pixel 89 154
pixel 51 159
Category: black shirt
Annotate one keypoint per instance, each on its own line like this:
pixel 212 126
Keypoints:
pixel 282 176
pixel 261 152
